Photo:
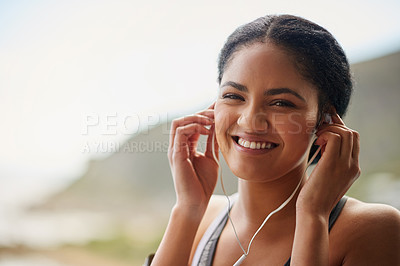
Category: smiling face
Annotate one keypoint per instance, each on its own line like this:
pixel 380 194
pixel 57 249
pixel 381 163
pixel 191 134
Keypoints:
pixel 265 114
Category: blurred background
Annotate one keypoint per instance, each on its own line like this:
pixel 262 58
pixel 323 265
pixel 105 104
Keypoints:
pixel 87 91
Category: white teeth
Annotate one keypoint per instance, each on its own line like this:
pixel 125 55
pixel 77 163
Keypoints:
pixel 246 144
pixel 254 145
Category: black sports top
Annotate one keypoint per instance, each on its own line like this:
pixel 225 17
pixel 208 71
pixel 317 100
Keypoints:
pixel 206 249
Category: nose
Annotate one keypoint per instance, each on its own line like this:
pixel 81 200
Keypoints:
pixel 253 120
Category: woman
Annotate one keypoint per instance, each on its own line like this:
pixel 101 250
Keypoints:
pixel 279 77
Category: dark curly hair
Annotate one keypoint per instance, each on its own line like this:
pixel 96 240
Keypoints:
pixel 315 52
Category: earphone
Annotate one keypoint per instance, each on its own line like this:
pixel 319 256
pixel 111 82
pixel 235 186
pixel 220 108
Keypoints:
pixel 327 119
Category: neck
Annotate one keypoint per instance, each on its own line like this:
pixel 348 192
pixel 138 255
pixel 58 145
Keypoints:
pixel 257 200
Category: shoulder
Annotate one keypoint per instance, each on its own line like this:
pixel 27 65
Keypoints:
pixel 368 232
pixel 371 218
pixel 215 206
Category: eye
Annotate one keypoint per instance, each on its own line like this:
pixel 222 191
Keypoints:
pixel 232 96
pixel 283 103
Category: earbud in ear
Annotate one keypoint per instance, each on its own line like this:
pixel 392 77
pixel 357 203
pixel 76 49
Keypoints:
pixel 328 118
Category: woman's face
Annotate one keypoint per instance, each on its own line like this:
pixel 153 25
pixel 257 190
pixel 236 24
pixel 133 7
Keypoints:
pixel 265 114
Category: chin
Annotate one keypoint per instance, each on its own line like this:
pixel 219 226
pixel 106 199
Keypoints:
pixel 268 169
pixel 251 170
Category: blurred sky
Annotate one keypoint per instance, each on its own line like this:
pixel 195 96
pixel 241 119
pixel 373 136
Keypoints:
pixel 75 74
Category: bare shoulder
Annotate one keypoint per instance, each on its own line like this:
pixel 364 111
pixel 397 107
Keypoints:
pixel 368 234
pixel 371 218
pixel 215 206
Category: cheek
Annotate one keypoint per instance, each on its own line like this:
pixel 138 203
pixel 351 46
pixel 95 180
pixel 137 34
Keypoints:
pixel 221 119
pixel 296 131
pixel 294 124
pixel 224 121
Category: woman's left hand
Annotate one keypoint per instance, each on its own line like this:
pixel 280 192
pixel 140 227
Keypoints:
pixel 335 172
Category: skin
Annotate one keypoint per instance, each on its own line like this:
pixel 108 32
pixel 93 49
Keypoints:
pixel 263 98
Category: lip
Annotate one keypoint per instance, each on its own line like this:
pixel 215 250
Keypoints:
pixel 249 137
pixel 253 138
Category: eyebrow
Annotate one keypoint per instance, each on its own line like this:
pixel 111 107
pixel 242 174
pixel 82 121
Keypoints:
pixel 275 91
pixel 235 85
pixel 282 91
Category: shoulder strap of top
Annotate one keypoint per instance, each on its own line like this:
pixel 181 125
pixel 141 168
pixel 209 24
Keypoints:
pixel 336 211
pixel 332 216
pixel 206 248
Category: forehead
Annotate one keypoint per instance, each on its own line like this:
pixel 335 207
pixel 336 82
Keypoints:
pixel 265 65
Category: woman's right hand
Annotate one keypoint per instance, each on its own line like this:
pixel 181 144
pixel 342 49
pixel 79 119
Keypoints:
pixel 195 174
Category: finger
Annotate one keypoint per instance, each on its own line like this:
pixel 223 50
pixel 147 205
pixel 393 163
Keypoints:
pixel 199 118
pixel 193 141
pixel 337 120
pixel 183 121
pixel 192 129
pixel 346 136
pixel 325 126
pixel 181 146
pixel 208 113
pixel 332 143
pixel 212 106
pixel 356 145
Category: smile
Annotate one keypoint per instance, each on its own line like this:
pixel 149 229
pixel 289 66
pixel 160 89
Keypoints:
pixel 254 145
